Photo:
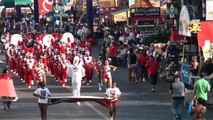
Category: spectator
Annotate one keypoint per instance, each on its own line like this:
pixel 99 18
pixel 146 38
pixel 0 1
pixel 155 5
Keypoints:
pixel 113 53
pixel 142 59
pixel 131 66
pixel 152 67
pixel 194 65
pixel 177 89
pixel 201 88
pixel 199 109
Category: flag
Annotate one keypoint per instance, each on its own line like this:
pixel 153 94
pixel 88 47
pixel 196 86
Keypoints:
pixel 206 33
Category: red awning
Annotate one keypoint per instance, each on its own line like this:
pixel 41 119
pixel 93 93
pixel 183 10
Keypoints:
pixel 175 37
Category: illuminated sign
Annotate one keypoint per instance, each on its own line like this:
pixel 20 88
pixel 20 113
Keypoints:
pixel 194 26
pixel 107 3
pixel 145 12
pixel 209 10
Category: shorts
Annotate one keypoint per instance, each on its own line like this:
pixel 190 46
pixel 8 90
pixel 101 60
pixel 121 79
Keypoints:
pixel 113 102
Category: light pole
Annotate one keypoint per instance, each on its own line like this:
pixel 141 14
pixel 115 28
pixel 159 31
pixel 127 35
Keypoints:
pixel 90 15
pixel 36 13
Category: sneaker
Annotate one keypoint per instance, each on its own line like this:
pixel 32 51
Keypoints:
pixel 90 81
pixel 32 82
pixel 63 85
pixel 111 118
pixel 100 89
pixel 29 86
pixel 87 83
pixel 83 81
pixel 57 80
pixel 65 80
pixel 78 103
pixel 153 89
pixel 177 118
pixel 8 106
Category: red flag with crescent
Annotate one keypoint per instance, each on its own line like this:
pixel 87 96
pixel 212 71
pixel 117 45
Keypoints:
pixel 45 6
pixel 206 33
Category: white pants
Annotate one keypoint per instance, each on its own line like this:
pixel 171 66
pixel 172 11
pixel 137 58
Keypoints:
pixel 76 88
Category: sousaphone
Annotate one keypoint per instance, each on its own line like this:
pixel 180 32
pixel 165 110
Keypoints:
pixel 67 38
pixel 47 40
pixel 15 38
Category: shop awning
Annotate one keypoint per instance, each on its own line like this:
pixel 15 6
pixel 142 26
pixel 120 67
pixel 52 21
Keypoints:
pixel 12 3
pixel 7 3
pixel 120 11
pixel 23 2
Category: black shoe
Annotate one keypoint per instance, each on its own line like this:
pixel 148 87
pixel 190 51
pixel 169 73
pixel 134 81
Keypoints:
pixel 153 90
pixel 177 117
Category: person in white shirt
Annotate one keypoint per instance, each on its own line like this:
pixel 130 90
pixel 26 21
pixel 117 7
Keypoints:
pixel 113 93
pixel 42 93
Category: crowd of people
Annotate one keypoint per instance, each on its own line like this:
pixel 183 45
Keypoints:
pixel 31 59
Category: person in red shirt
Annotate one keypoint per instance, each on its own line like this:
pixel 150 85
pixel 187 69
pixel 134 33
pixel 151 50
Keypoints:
pixel 152 67
pixel 142 59
pixel 6 75
pixel 113 53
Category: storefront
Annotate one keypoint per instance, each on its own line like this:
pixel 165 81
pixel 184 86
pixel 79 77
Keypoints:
pixel 121 15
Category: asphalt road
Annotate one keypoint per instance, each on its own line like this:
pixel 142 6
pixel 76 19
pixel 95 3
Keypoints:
pixel 136 102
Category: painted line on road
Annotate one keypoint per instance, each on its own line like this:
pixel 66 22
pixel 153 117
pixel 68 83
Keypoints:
pixel 104 116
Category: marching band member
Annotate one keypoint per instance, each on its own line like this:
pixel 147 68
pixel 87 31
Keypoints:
pixel 40 72
pixel 89 66
pixel 113 93
pixel 107 77
pixel 77 72
pixel 98 66
pixel 63 67
pixel 30 64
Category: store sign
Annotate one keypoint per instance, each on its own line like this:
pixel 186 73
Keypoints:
pixel 194 26
pixel 146 23
pixel 45 6
pixel 144 3
pixel 163 2
pixel 209 10
pixel 185 74
pixel 145 12
pixel 120 17
pixel 107 4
